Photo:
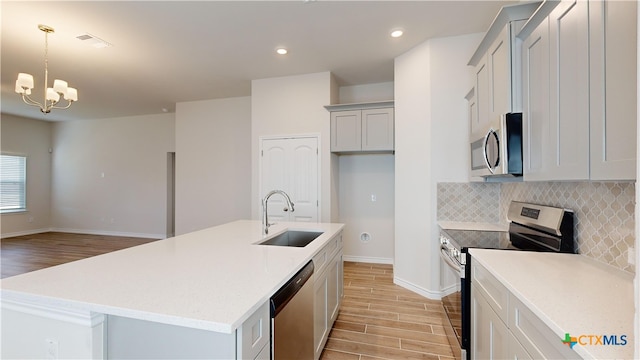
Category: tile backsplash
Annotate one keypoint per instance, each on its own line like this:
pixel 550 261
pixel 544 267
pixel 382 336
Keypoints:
pixel 604 211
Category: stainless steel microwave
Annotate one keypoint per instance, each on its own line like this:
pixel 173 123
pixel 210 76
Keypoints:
pixel 497 151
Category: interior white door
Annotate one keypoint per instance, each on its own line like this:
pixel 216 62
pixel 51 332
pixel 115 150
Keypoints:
pixel 291 165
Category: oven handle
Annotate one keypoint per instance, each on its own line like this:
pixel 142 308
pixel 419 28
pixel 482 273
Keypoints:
pixel 449 261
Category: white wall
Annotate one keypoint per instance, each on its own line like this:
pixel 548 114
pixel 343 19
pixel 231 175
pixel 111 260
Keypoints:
pixel 30 137
pixel 431 81
pixel 109 176
pixel 293 105
pixel 213 162
pixel 636 319
pixel 361 177
pixel 366 93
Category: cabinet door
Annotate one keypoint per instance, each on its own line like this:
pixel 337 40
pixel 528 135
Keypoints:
pixel 253 336
pixel 320 325
pixel 569 91
pixel 516 351
pixel 481 118
pixel 346 130
pixel 334 285
pixel 535 99
pixel 613 68
pixel 377 129
pixel 499 64
pixel 489 335
pixel 534 335
pixel 472 109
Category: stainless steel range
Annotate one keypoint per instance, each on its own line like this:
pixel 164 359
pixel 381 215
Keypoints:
pixel 531 227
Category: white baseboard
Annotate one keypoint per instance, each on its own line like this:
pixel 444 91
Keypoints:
pixel 83 231
pixel 448 290
pixel 434 295
pixel 365 259
pixel 25 232
pixel 109 233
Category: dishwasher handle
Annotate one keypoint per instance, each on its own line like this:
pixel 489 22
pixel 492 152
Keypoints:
pixel 282 297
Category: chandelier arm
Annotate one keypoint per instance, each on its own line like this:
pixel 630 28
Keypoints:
pixel 29 101
pixel 63 107
pixel 51 104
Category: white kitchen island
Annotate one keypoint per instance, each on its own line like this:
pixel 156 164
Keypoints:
pixel 209 282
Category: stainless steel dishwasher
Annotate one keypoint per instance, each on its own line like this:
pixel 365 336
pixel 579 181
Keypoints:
pixel 292 318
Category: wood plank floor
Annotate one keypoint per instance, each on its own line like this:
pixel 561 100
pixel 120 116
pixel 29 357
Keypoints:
pixel 377 319
pixel 380 320
pixel 27 253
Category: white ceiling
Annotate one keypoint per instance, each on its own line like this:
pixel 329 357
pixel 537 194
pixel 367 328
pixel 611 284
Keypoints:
pixel 166 52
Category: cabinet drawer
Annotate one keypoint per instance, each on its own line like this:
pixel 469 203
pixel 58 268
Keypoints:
pixel 253 335
pixel 494 292
pixel 536 337
pixel 320 261
pixel 325 254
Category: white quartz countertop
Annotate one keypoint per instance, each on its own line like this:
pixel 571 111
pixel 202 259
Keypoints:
pixel 570 293
pixel 478 226
pixel 212 279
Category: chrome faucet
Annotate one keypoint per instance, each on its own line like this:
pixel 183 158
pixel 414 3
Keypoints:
pixel 265 218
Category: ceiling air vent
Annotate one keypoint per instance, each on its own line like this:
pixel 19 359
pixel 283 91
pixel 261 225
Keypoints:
pixel 93 41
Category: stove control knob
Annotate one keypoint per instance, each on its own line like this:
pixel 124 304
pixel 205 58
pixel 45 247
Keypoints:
pixel 444 240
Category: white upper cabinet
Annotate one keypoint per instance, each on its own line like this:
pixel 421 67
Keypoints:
pixel 497 67
pixel 535 98
pixel 579 91
pixel 613 59
pixel 569 90
pixel 556 95
pixel 365 127
pixel 480 119
pixel 377 129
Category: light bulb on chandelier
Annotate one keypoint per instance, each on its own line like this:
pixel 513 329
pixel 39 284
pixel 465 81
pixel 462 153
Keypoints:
pixel 52 95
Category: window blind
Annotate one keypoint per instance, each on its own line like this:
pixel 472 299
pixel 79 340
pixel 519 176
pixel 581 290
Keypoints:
pixel 13 183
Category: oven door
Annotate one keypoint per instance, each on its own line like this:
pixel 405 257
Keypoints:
pixel 452 304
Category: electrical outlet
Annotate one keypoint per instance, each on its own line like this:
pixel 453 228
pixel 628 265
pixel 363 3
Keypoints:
pixel 30 219
pixel 52 349
pixel 631 256
pixel 374 198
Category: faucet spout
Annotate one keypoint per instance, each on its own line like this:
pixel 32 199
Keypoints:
pixel 265 217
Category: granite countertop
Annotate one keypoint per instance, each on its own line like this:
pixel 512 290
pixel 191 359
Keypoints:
pixel 570 293
pixel 212 279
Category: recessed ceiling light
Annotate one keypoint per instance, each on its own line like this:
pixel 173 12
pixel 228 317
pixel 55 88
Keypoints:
pixel 397 33
pixel 282 51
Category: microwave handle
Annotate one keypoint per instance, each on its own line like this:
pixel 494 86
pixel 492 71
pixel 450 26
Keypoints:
pixel 484 150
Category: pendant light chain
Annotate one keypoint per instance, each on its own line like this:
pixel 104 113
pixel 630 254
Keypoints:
pixel 46 64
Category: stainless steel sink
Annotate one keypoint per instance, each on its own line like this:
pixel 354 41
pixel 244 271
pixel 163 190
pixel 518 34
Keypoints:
pixel 295 238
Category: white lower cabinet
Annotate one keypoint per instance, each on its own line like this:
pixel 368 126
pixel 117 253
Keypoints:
pixel 253 336
pixel 535 336
pixel 489 334
pixel 128 338
pixel 328 291
pixel 502 327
